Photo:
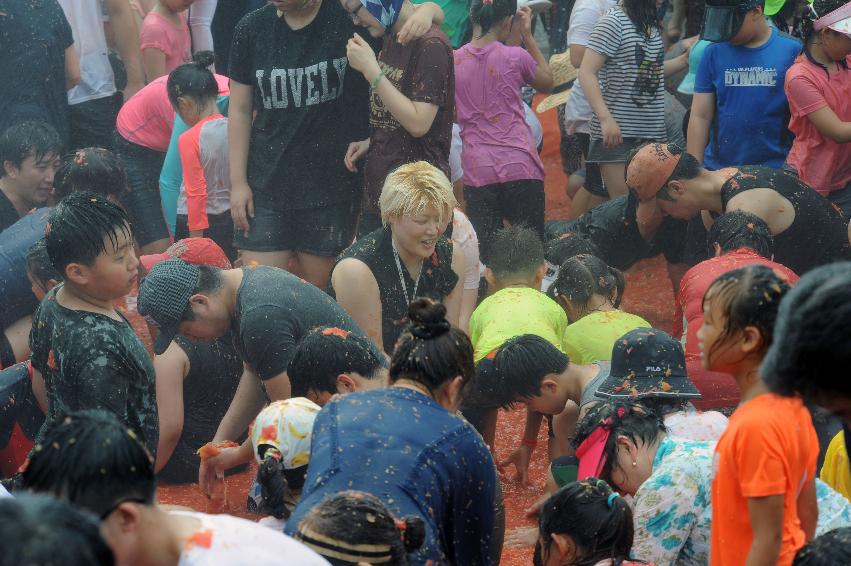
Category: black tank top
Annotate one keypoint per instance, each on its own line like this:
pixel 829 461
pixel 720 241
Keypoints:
pixel 209 387
pixel 437 279
pixel 818 234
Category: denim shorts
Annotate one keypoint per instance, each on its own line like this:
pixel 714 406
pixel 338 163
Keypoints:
pixel 323 231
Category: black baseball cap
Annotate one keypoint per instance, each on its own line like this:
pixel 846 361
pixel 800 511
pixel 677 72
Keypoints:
pixel 723 18
pixel 648 363
pixel 164 296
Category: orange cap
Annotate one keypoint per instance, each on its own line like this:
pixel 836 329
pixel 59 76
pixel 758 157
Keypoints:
pixel 649 169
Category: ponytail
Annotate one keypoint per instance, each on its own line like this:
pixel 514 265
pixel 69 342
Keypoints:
pixel 487 13
pixel 582 276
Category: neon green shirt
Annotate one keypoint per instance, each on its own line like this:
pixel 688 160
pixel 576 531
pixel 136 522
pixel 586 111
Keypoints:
pixel 514 311
pixel 592 337
pixel 456 13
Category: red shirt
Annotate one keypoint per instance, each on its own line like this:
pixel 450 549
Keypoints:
pixel 718 389
pixel 821 163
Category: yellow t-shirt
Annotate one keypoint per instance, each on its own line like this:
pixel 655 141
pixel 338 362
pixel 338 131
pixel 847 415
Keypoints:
pixel 836 471
pixel 592 337
pixel 514 311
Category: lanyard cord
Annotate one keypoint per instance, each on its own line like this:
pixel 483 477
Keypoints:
pixel 402 275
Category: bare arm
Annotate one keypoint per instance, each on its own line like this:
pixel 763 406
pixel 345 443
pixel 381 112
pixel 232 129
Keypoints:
pixel 154 62
pixel 808 510
pixel 592 62
pixel 357 292
pixel 576 53
pixel 453 299
pixel 543 80
pixel 676 64
pixel 240 108
pixel 72 68
pixel 247 402
pixel 830 126
pixel 278 387
pixel 766 518
pixel 172 367
pixel 126 32
pixel 700 120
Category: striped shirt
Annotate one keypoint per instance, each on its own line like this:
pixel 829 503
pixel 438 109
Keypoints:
pixel 632 78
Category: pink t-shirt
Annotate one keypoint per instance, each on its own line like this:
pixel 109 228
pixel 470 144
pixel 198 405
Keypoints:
pixel 498 146
pixel 175 41
pixel 820 162
pixel 148 117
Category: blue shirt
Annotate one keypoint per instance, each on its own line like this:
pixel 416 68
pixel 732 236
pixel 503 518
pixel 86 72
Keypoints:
pixel 403 447
pixel 15 288
pixel 751 111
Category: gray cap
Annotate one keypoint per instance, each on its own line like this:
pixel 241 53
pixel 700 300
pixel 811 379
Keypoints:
pixel 164 296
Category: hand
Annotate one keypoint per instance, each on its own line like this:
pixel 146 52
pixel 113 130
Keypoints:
pixel 523 18
pixel 357 150
pixel 522 537
pixel 520 458
pixel 241 206
pixel 535 509
pixel 611 132
pixel 362 57
pixel 417 26
pixel 226 459
pixel 131 89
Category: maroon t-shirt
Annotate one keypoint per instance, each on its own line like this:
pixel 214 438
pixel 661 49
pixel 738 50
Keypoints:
pixel 422 70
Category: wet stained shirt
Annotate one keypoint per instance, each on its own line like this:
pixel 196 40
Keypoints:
pixel 437 279
pixel 403 447
pixel 274 310
pixel 818 234
pixel 91 361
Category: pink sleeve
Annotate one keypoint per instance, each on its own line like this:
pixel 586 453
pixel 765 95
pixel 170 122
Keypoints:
pixel 193 178
pixel 153 35
pixel 804 96
pixel 527 65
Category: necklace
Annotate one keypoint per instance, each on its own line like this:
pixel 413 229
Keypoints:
pixel 408 300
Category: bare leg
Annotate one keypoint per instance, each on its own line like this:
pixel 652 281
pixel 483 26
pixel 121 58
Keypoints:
pixel 613 177
pixel 275 259
pixel 315 269
pixel 582 203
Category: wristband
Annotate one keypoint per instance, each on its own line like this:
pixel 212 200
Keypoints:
pixel 529 443
pixel 376 80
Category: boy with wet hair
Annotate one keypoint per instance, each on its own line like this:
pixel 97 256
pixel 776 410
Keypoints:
pixel 29 155
pixel 331 361
pixel 85 354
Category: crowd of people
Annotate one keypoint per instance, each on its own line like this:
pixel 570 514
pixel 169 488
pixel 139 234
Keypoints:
pixel 305 241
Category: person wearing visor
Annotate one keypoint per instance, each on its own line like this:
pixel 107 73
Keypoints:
pixel 818 86
pixel 739 111
pixel 808 230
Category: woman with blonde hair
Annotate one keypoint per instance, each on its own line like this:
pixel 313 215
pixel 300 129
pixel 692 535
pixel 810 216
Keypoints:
pixel 380 275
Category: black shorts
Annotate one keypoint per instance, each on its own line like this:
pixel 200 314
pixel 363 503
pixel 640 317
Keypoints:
pixel 323 231
pixel 519 202
pixel 93 122
pixel 593 177
pixel 142 200
pixel 220 231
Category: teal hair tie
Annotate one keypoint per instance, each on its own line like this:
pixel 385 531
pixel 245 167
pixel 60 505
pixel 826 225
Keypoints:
pixel 611 500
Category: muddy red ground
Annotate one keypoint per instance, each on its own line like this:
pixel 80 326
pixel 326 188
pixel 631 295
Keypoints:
pixel 648 294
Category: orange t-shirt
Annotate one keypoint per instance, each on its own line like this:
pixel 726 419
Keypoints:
pixel 769 448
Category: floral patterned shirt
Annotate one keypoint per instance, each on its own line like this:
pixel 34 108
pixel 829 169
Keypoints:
pixel 672 511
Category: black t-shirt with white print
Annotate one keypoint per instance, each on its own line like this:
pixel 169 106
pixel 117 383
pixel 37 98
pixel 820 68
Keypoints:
pixel 310 105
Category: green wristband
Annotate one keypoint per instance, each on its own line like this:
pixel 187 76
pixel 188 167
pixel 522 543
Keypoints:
pixel 376 80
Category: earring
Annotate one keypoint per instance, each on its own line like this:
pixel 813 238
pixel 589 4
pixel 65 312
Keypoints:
pixel 634 463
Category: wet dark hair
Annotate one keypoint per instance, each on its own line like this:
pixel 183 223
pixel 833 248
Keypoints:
pixel 92 460
pixel 27 139
pixel 277 484
pixel 38 529
pixel 193 80
pixel 209 281
pixel 739 229
pixel 568 245
pixel 430 351
pixel 808 32
pixel 93 169
pixel 830 549
pixel 688 167
pixel 343 520
pixel 325 353
pixel 812 336
pixel 488 14
pixel 623 418
pixel 515 251
pixel 642 13
pixel 520 366
pixel 749 296
pixel 79 227
pixel 39 265
pixel 582 276
pixel 595 518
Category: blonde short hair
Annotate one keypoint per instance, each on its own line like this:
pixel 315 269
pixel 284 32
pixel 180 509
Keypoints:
pixel 412 188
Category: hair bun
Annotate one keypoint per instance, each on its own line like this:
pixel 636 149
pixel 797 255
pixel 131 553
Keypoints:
pixel 428 319
pixel 413 535
pixel 204 58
